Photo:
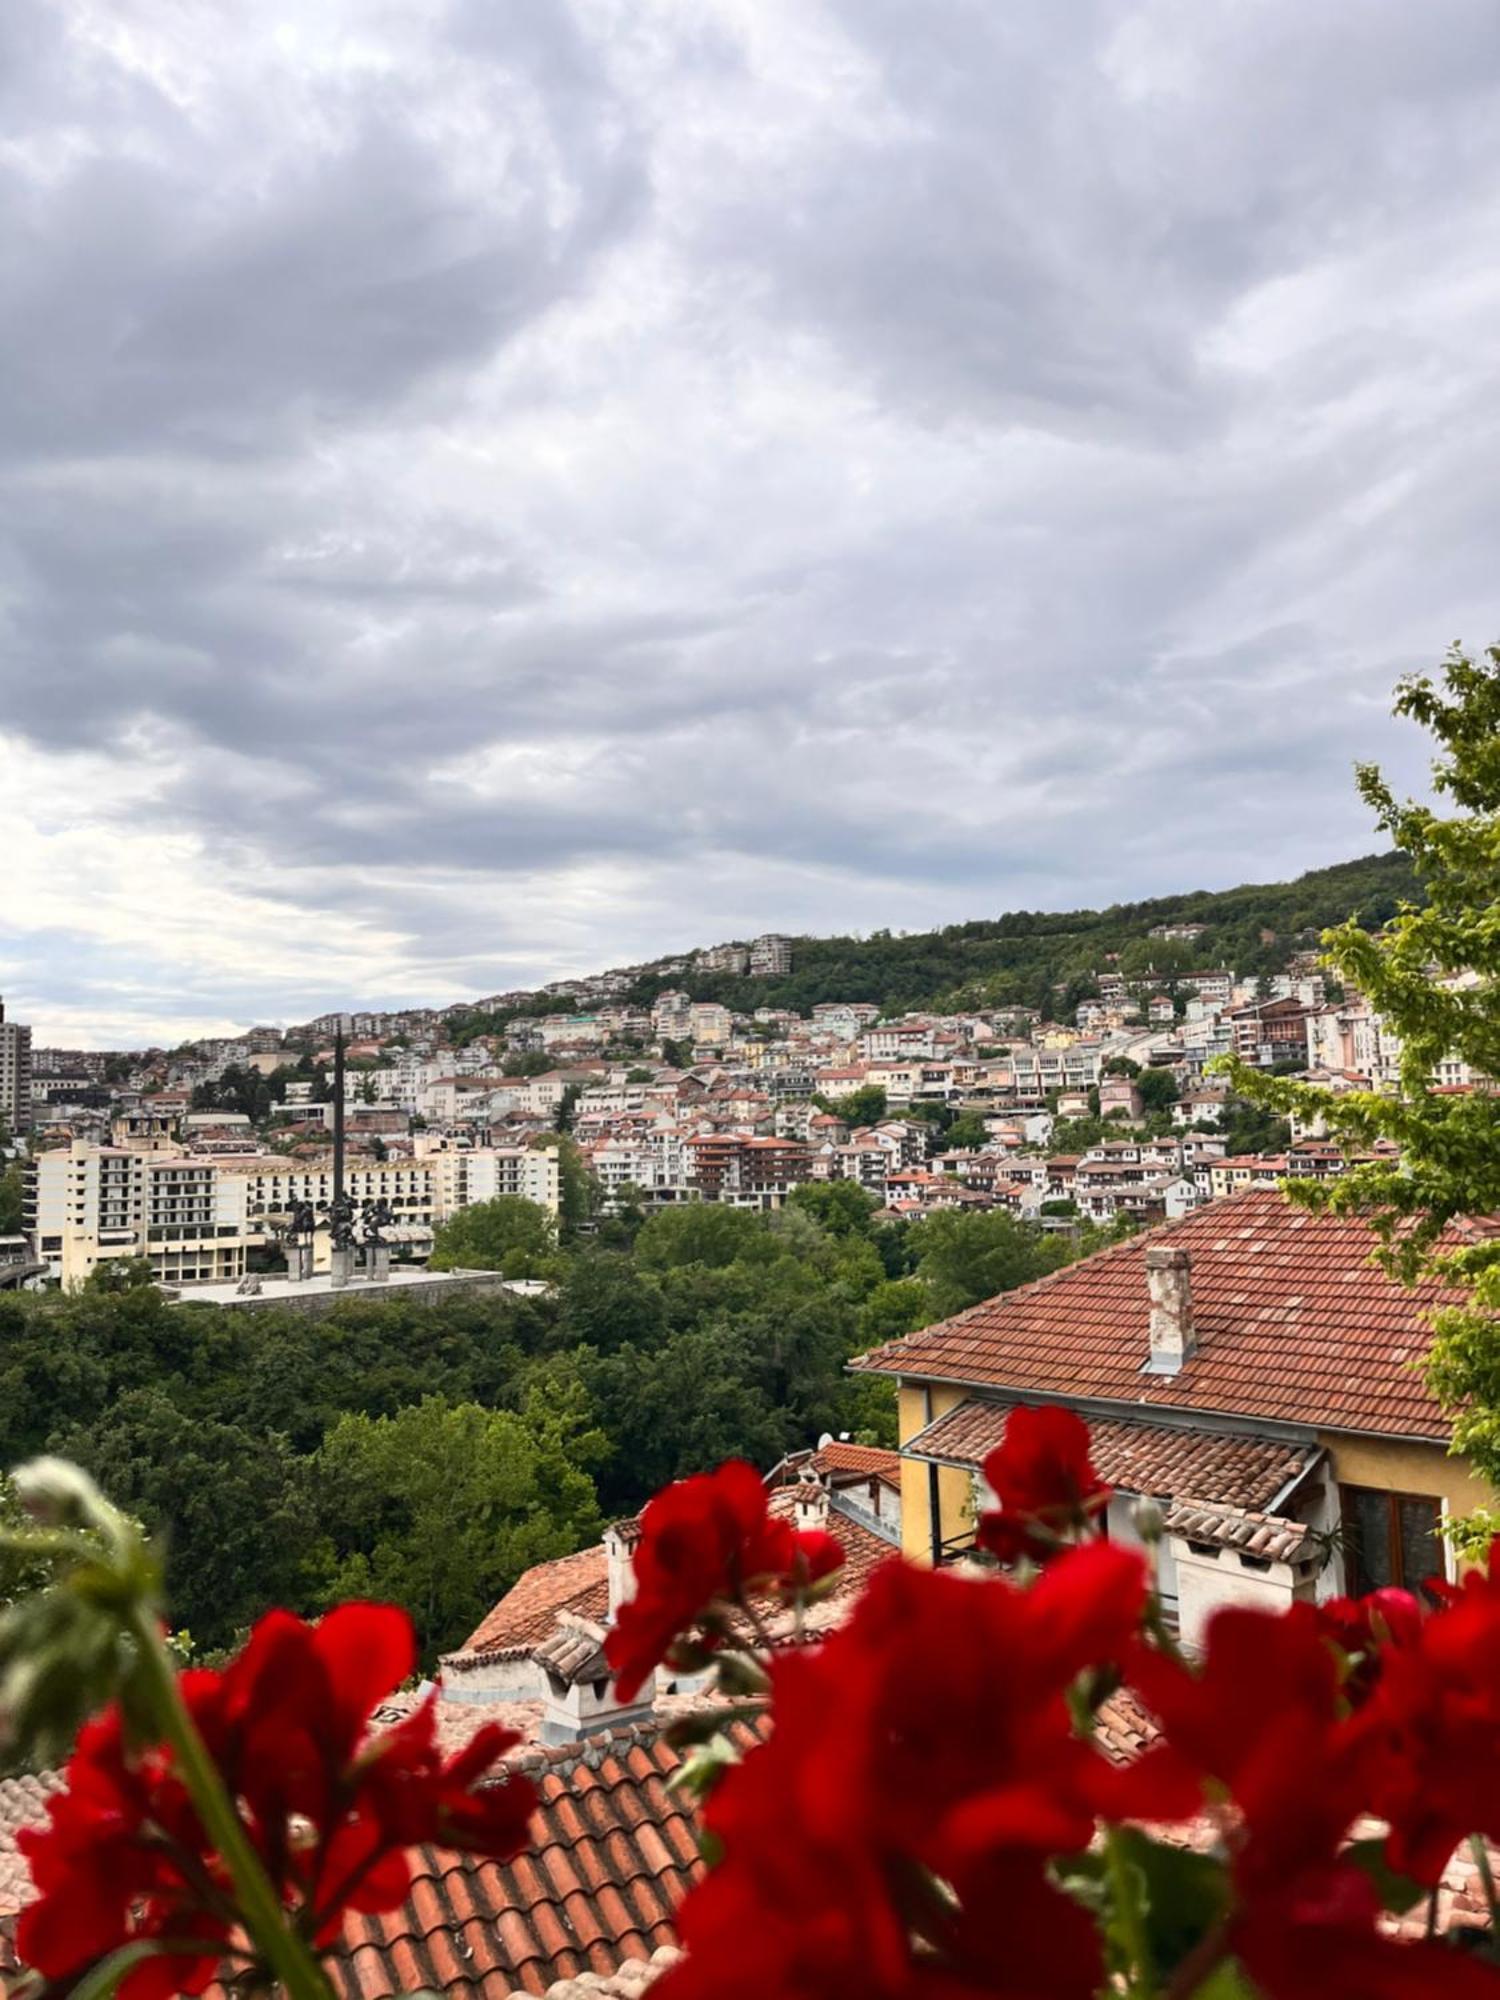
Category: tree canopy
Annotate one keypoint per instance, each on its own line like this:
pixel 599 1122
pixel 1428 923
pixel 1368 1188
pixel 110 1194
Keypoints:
pixel 508 1234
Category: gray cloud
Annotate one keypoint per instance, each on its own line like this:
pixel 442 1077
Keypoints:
pixel 501 491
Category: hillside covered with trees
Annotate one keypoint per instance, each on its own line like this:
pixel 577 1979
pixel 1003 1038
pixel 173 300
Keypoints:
pixel 1033 958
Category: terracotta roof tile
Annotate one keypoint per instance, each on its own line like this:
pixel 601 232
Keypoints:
pixel 1294 1324
pixel 1264 1535
pixel 1163 1460
pixel 528 1611
pixel 837 1457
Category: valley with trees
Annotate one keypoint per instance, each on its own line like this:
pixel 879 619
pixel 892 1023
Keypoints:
pixel 431 1453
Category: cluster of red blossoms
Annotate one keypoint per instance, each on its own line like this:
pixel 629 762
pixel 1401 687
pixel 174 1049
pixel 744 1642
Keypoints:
pixel 706 1544
pixel 328 1806
pixel 930 1816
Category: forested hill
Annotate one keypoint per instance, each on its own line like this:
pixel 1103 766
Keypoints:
pixel 1021 959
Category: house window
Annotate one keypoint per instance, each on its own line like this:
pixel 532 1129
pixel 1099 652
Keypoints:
pixel 1389 1539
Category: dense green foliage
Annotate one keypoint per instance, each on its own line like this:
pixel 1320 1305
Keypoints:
pixel 507 1234
pixel 431 1452
pixel 1033 958
pixel 1433 975
pixel 12 1198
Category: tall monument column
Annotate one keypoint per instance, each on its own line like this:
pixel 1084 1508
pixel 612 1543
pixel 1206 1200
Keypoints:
pixel 341 1209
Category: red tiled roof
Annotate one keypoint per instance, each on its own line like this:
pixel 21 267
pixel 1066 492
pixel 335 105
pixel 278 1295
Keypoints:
pixel 611 1855
pixel 528 1611
pixel 839 1456
pixel 1294 1324
pixel 1163 1460
pixel 613 1852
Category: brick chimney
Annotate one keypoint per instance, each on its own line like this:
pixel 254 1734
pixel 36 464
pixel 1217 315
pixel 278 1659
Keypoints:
pixel 1169 1282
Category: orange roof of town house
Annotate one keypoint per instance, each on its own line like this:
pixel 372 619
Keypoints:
pixel 1294 1324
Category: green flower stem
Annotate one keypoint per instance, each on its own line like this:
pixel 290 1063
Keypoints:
pixel 1125 1899
pixel 289 1958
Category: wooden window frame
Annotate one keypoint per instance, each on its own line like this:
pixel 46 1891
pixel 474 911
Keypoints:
pixel 1395 1561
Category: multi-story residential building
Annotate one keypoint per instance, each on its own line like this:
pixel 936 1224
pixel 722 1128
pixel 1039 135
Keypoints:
pixel 709 1023
pixel 728 958
pixel 897 1041
pixel 86 1204
pixel 195 1218
pixel 15 1074
pixel 1270 1031
pixel 1215 989
pixel 744 1170
pixel 464 1175
pixel 770 957
pixel 672 1016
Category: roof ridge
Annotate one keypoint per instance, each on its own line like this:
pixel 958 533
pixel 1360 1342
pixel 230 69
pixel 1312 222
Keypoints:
pixel 1034 1285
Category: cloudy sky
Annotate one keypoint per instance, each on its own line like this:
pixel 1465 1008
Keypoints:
pixel 495 488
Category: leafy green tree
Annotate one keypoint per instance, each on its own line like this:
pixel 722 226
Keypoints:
pixel 865 1106
pixel 1121 1066
pixel 443 1505
pixel 508 1234
pixel 967 1133
pixel 579 1193
pixel 640 1075
pixel 606 1303
pixel 842 1207
pixel 1433 976
pixel 966 1257
pixel 1158 1088
pixel 677 1055
pixel 229 1504
pixel 899 1307
pixel 534 1062
pixel 12 1191
pixel 701 1232
pixel 120 1274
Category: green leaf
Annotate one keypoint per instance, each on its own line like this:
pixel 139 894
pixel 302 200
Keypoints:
pixel 701 1771
pixel 1185 1894
pixel 1227 1981
pixel 1396 1891
pixel 104 1979
pixel 689 1730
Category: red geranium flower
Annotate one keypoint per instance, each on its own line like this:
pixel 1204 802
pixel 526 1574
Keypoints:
pixel 329 1809
pixel 119 1859
pixel 1430 1734
pixel 929 1737
pixel 1045 1484
pixel 705 1541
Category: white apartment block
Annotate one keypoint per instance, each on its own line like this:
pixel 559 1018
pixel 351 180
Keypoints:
pixel 86 1204
pixel 709 1024
pixel 195 1219
pixel 770 957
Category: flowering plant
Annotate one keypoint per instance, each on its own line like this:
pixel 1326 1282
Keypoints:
pixel 927 1814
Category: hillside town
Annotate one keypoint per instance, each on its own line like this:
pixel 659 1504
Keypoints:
pixel 1114 1116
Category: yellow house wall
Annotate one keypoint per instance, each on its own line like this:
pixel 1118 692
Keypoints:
pixel 1407 1468
pixel 916 1407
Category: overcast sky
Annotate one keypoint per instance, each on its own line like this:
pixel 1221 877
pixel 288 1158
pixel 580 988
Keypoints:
pixel 497 488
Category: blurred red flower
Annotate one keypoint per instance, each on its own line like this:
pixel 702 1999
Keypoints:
pixel 1044 1481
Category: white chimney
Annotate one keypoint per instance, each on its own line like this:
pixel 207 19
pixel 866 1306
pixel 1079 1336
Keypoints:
pixel 620 1539
pixel 1169 1282
pixel 810 1503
